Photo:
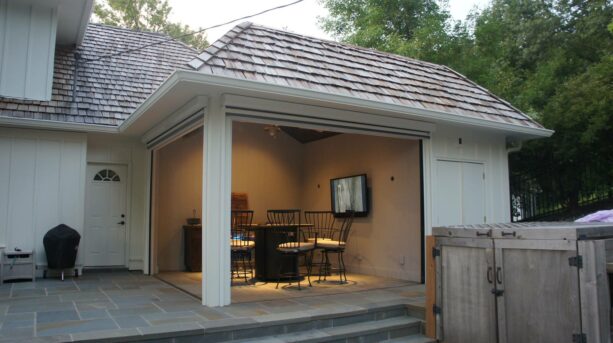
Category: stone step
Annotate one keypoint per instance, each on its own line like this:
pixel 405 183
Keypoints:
pixel 411 339
pixel 371 331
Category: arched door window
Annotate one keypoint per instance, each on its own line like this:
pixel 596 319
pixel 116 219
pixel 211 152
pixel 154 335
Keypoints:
pixel 106 175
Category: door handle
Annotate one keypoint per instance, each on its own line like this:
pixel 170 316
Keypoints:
pixel 504 234
pixel 490 272
pixel 499 275
pixel 483 233
pixel 122 223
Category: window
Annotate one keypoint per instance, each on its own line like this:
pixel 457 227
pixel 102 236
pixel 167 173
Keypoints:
pixel 106 175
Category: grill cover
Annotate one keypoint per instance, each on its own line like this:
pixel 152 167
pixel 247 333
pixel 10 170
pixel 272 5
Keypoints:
pixel 61 246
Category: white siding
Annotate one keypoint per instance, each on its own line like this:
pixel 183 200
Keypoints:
pixel 477 147
pixel 110 148
pixel 41 185
pixel 27 48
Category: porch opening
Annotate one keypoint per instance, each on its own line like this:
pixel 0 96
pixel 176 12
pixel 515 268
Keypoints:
pixel 285 167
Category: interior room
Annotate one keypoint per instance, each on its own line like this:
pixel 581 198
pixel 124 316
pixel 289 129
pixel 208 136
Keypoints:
pixel 282 167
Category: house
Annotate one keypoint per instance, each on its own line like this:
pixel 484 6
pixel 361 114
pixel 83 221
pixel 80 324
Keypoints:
pixel 123 143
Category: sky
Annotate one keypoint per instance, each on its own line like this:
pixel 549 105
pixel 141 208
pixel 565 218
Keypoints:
pixel 301 18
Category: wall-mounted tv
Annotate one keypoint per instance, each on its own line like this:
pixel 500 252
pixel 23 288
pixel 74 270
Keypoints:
pixel 349 193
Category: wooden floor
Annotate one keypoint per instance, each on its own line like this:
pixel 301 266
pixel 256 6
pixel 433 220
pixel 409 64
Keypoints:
pixel 260 291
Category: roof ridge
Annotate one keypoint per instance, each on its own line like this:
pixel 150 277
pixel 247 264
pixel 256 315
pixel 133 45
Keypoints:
pixel 154 34
pixel 212 50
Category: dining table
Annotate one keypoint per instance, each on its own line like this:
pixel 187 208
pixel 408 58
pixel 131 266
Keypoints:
pixel 267 257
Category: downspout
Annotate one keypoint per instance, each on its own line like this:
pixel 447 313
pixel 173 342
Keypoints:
pixel 514 146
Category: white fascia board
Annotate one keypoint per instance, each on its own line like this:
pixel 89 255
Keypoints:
pixel 190 108
pixel 56 125
pixel 275 90
pixel 85 15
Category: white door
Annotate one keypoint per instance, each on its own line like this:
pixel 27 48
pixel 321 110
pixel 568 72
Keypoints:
pixel 459 193
pixel 105 215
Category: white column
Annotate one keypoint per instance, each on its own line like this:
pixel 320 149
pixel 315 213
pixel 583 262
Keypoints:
pixel 216 188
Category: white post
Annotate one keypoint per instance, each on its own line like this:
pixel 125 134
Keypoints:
pixel 216 188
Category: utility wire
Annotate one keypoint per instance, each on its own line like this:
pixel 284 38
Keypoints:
pixel 86 60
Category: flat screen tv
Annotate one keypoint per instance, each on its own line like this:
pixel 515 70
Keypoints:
pixel 349 193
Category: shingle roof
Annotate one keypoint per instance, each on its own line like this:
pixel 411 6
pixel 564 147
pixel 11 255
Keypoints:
pixel 108 90
pixel 263 54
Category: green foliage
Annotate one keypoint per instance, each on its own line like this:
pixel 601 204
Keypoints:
pixel 146 15
pixel 552 59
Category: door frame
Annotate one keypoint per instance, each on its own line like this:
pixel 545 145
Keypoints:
pixel 128 226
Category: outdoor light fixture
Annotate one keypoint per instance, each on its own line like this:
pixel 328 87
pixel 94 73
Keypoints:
pixel 273 130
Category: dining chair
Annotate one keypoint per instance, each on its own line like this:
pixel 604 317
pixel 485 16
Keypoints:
pixel 287 229
pixel 242 244
pixel 336 245
pixel 323 228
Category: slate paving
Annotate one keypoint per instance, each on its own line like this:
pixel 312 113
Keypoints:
pixel 122 304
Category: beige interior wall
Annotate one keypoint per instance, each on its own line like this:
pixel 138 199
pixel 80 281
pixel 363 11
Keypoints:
pixel 178 187
pixel 283 173
pixel 269 170
pixel 387 241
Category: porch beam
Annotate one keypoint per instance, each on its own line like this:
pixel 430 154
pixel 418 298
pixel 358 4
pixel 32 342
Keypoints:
pixel 216 184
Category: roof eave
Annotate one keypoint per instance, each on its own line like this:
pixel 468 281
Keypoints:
pixel 31 123
pixel 275 89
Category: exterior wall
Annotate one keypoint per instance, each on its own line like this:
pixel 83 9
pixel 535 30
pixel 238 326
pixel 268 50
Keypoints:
pixel 476 146
pixel 114 149
pixel 42 184
pixel 27 48
pixel 388 241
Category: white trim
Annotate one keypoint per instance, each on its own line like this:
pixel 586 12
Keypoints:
pixel 55 125
pixel 197 104
pixel 318 96
pixel 309 114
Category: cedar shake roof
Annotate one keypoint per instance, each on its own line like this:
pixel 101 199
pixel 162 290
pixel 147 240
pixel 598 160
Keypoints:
pixel 108 90
pixel 268 55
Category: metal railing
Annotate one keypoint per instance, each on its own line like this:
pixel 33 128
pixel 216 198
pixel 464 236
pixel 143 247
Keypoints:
pixel 545 198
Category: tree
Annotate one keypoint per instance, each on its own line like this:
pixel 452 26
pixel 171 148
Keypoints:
pixel 147 15
pixel 549 58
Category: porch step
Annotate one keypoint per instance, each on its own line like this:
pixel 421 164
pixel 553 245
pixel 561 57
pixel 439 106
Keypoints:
pixel 374 325
pixel 411 339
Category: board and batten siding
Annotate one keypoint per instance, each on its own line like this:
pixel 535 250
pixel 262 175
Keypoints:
pixel 41 185
pixel 471 146
pixel 27 49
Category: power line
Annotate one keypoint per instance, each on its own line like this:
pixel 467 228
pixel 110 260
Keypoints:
pixel 86 60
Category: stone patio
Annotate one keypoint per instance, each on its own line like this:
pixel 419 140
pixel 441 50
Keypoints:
pixel 131 305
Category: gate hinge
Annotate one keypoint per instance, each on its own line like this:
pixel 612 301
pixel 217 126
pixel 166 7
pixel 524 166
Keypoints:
pixel 579 338
pixel 436 309
pixel 436 252
pixel 576 261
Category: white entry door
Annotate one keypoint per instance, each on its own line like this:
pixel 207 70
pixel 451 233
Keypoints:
pixel 459 193
pixel 105 216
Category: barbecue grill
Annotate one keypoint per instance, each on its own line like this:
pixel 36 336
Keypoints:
pixel 61 246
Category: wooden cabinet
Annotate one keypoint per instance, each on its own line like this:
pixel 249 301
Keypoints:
pixel 192 247
pixel 523 283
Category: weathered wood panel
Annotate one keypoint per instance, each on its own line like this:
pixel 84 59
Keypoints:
pixel 540 302
pixel 430 287
pixel 468 306
pixel 594 283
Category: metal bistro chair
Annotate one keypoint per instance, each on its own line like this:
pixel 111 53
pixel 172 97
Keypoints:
pixel 242 244
pixel 285 226
pixel 336 245
pixel 323 229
